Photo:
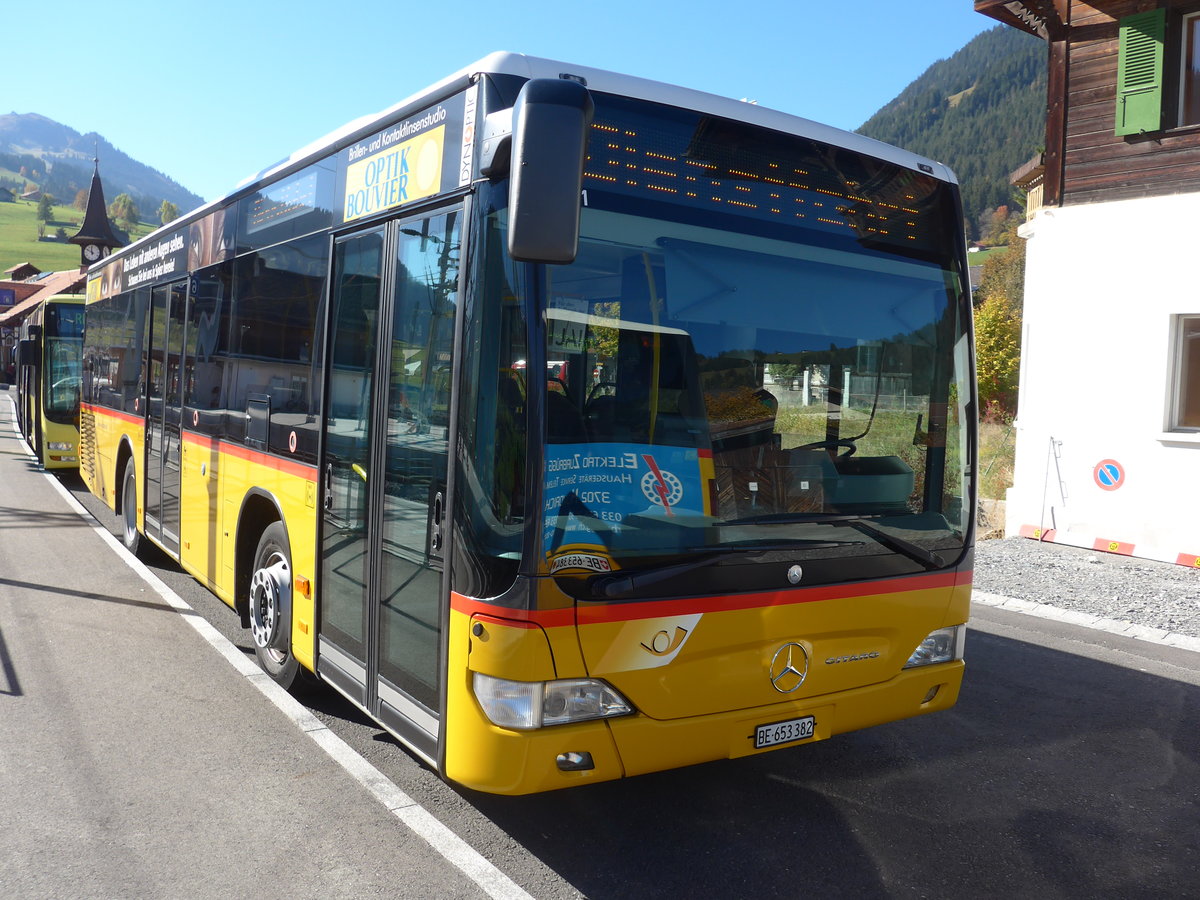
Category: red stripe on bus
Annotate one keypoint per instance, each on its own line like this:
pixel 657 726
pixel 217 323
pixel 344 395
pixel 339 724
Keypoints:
pixel 288 466
pixel 128 418
pixel 518 618
pixel 593 613
pixel 1188 559
pixel 590 614
pixel 291 467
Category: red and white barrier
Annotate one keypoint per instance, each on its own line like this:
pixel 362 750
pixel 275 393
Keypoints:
pixel 1109 545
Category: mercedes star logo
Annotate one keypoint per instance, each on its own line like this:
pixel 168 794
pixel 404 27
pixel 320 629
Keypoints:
pixel 789 667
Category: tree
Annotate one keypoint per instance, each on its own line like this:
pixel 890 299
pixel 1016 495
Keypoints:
pixel 1004 273
pixel 81 198
pixel 124 210
pixel 998 355
pixel 984 222
pixel 785 371
pixel 998 305
pixel 995 232
pixel 45 211
pixel 168 212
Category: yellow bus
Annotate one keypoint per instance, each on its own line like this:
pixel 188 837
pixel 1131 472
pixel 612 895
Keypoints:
pixel 48 380
pixel 571 425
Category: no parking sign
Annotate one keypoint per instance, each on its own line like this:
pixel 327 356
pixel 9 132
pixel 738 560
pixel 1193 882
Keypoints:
pixel 1108 474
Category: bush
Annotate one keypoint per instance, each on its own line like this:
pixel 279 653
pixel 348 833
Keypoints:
pixel 998 355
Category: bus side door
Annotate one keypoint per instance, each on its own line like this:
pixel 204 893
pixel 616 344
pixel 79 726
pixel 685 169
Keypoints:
pixel 163 420
pixel 386 448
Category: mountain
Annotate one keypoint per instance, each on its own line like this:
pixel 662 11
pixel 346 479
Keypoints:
pixel 58 160
pixel 982 112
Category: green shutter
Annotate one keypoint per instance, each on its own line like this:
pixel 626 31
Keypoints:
pixel 1140 72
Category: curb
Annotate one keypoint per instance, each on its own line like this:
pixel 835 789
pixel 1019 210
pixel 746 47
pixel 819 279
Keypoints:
pixel 1088 620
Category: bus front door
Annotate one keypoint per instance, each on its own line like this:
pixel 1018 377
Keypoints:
pixel 163 419
pixel 386 447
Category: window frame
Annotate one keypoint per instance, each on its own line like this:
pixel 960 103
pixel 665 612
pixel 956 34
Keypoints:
pixel 1179 46
pixel 1182 380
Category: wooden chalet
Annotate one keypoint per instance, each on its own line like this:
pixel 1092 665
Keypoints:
pixel 1108 428
pixel 1123 104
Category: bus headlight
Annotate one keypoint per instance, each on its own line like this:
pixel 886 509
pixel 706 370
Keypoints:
pixel 524 705
pixel 941 646
pixel 59 445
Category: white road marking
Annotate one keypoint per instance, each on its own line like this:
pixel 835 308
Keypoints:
pixel 415 817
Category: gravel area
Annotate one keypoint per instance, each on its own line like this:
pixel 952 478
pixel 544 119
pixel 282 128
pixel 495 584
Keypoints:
pixel 1144 592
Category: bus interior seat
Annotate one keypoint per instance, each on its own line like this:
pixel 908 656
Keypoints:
pixel 600 417
pixel 564 423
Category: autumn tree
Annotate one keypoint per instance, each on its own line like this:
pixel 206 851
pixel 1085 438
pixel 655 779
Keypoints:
pixel 1003 271
pixel 81 198
pixel 168 212
pixel 124 211
pixel 998 306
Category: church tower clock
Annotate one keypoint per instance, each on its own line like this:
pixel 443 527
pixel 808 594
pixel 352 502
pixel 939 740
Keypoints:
pixel 95 237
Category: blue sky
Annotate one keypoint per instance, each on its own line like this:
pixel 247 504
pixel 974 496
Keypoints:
pixel 212 91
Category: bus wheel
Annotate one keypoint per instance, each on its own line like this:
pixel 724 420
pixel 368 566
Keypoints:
pixel 130 536
pixel 271 610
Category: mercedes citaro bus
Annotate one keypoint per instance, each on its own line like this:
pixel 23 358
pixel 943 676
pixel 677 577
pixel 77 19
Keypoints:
pixel 48 380
pixel 572 425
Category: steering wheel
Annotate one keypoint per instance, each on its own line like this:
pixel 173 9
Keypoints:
pixel 849 445
pixel 597 387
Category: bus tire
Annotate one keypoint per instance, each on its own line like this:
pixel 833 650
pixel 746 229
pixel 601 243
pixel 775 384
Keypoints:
pixel 271 611
pixel 130 536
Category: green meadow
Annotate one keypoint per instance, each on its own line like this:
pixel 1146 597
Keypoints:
pixel 19 236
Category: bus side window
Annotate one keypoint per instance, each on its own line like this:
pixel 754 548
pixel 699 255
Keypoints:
pixel 278 298
pixel 207 350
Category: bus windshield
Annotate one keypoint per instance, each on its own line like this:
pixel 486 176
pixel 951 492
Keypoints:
pixel 723 376
pixel 64 351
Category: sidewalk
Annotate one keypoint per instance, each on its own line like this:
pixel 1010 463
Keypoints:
pixel 135 761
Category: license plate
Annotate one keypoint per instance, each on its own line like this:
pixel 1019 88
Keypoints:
pixel 784 732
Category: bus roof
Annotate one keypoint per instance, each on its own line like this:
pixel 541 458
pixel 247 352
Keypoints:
pixel 504 63
pixel 523 66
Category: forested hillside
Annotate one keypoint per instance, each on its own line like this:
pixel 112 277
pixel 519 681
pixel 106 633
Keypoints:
pixel 55 159
pixel 981 112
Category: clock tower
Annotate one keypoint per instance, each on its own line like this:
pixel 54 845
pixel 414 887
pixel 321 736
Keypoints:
pixel 95 237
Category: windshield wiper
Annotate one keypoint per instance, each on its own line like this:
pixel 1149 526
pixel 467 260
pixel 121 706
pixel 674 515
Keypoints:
pixel 620 584
pixel 915 552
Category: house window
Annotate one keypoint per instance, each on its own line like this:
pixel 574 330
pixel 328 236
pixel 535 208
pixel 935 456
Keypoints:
pixel 1189 71
pixel 1185 415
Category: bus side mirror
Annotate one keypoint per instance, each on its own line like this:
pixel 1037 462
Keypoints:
pixel 29 351
pixel 549 145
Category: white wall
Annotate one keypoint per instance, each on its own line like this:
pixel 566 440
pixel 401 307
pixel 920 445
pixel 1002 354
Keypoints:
pixel 1101 286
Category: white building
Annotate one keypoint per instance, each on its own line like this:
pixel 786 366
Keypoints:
pixel 1108 423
